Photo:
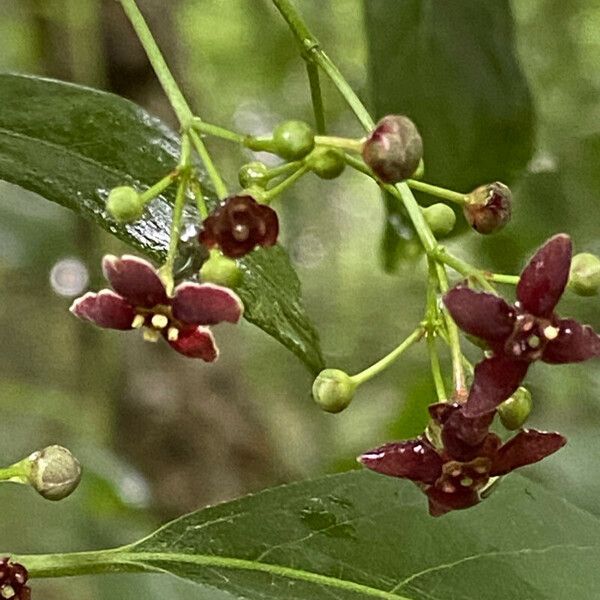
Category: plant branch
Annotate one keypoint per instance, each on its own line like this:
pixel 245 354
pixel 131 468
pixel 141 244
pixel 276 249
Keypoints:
pixel 316 96
pixel 157 60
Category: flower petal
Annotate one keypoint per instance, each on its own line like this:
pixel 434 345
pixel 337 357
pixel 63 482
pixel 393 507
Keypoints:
pixel 574 343
pixel 441 502
pixel 135 279
pixel 206 304
pixel 525 448
pixel 544 278
pixel 196 343
pixel 480 314
pixel 414 459
pixel 495 380
pixel 104 309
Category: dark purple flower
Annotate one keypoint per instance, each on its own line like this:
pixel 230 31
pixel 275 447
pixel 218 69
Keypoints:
pixel 238 225
pixel 13 578
pixel 140 300
pixel 525 332
pixel 453 475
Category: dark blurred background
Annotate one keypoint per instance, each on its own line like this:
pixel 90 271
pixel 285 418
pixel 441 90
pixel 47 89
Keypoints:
pixel 500 91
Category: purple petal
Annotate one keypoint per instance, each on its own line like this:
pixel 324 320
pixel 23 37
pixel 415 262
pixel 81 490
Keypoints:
pixel 206 304
pixel 527 447
pixel 574 343
pixel 480 314
pixel 196 343
pixel 544 278
pixel 495 380
pixel 441 502
pixel 105 309
pixel 135 279
pixel 414 459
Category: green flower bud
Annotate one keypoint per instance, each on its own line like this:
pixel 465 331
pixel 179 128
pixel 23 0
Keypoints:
pixel 516 410
pixel 55 472
pixel 584 278
pixel 333 390
pixel 293 140
pixel 221 270
pixel 124 204
pixel 440 218
pixel 253 174
pixel 327 163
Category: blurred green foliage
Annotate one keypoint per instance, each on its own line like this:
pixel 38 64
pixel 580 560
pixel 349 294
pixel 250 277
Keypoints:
pixel 63 383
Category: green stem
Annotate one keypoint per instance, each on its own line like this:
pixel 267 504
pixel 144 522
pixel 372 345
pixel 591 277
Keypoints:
pixel 209 165
pixel 431 320
pixel 340 142
pixel 167 81
pixel 284 169
pixel 316 96
pixel 159 187
pixel 501 278
pixel 464 268
pixel 217 131
pixel 403 193
pixel 17 473
pixel 127 560
pixel 436 370
pixel 166 270
pixel 439 192
pixel 286 183
pixel 387 360
pixel 199 197
pixel 311 49
pixel 458 373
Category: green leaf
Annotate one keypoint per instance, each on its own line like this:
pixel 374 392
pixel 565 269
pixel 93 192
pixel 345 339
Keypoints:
pixel 452 67
pixel 72 144
pixel 362 536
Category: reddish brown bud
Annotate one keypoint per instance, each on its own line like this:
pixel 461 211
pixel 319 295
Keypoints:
pixel 239 225
pixel 489 207
pixel 394 149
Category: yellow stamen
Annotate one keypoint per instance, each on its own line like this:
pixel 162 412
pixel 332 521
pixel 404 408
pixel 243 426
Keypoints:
pixel 173 334
pixel 159 321
pixel 138 321
pixel 551 333
pixel 151 335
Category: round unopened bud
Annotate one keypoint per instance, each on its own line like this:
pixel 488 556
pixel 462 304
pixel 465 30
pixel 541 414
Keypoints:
pixel 221 270
pixel 327 163
pixel 584 278
pixel 124 204
pixel 394 149
pixel 55 472
pixel 489 207
pixel 440 218
pixel 333 390
pixel 293 140
pixel 253 174
pixel 516 410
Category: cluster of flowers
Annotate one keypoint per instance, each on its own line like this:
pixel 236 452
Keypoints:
pixel 454 461
pixel 13 578
pixel 139 299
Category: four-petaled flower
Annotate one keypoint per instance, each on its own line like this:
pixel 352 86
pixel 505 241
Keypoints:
pixel 238 225
pixel 453 474
pixel 140 300
pixel 525 332
pixel 13 578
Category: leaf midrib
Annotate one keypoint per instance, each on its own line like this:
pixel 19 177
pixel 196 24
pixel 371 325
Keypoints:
pixel 225 562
